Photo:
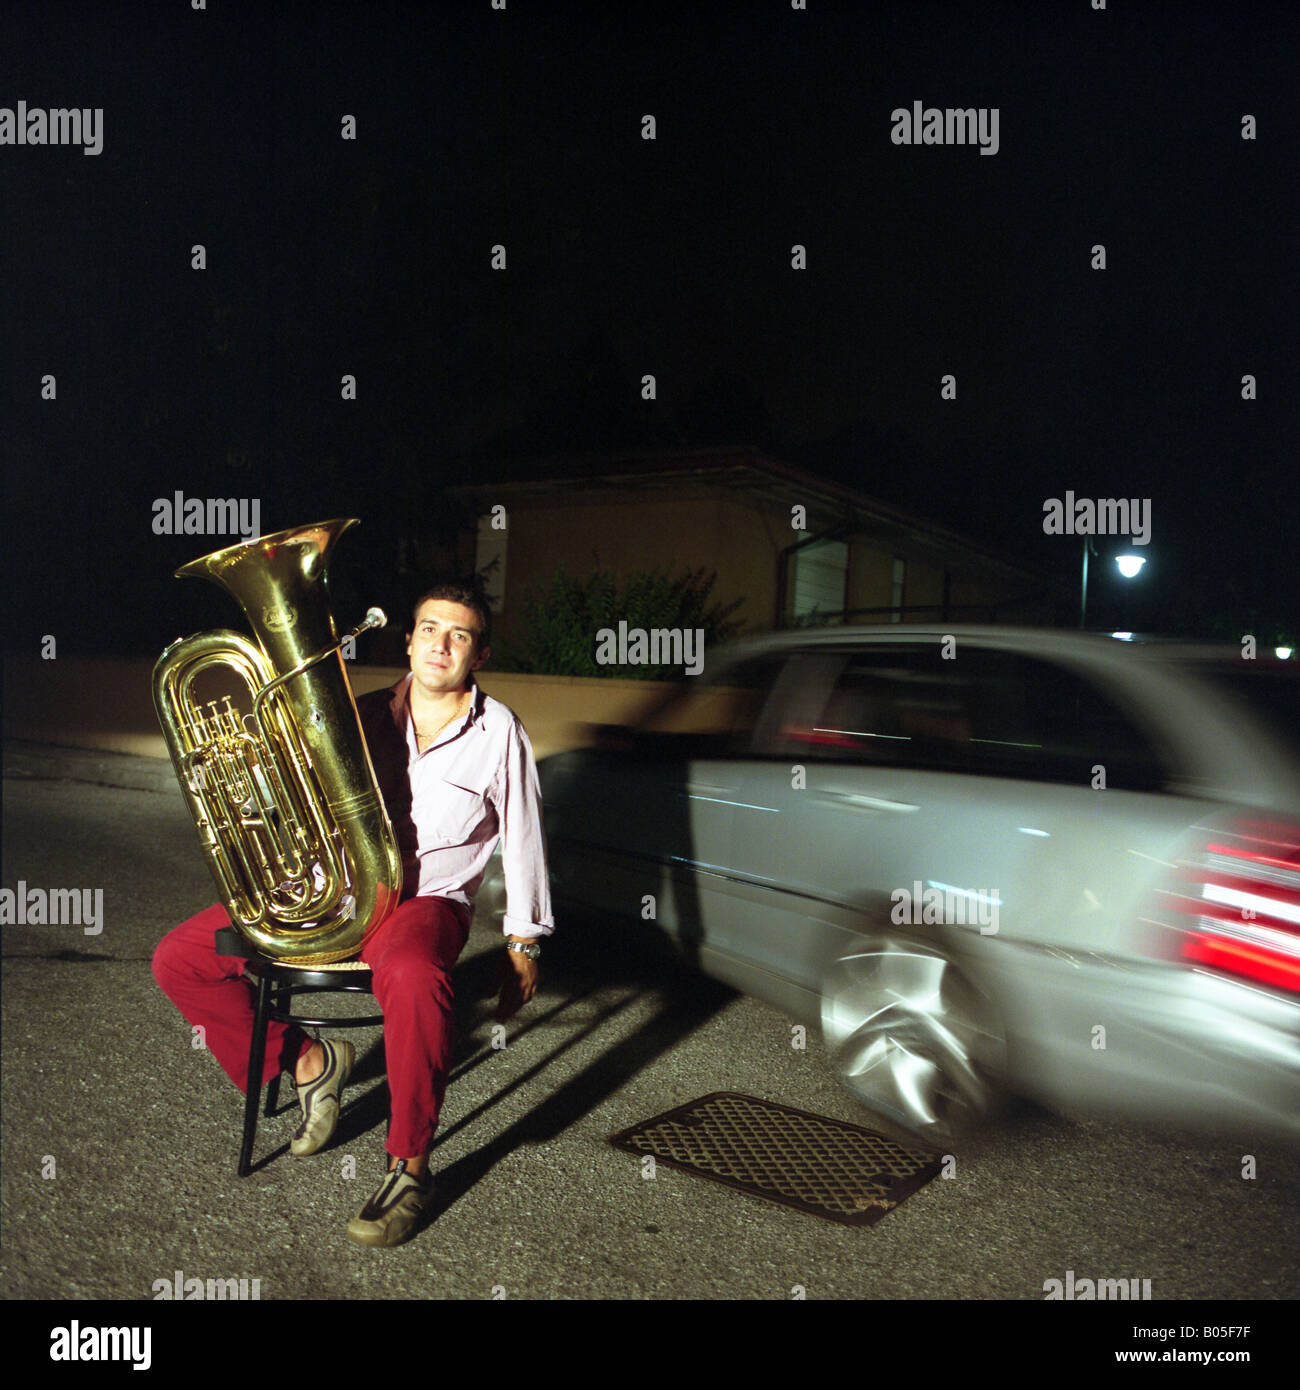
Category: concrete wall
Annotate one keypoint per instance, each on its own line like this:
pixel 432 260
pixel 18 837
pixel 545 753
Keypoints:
pixel 108 705
pixel 623 531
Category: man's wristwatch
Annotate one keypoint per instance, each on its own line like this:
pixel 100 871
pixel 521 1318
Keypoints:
pixel 525 948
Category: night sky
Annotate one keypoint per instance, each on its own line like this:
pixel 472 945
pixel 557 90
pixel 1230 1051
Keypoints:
pixel 627 256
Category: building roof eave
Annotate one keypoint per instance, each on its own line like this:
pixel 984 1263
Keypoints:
pixel 757 474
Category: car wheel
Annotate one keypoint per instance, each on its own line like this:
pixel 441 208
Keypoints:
pixel 914 1040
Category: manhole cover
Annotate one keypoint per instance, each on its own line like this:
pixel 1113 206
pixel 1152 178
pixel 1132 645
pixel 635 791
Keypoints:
pixel 814 1164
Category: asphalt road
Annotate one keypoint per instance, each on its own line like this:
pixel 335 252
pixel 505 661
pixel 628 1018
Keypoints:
pixel 120 1139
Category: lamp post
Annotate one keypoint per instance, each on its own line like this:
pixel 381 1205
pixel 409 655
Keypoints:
pixel 1083 589
pixel 1128 565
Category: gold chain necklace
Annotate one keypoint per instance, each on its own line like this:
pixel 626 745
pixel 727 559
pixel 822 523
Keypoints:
pixel 461 706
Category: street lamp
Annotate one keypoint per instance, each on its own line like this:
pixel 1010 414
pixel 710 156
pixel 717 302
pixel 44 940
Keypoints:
pixel 1128 565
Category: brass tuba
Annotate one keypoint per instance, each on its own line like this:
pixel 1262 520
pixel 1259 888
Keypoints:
pixel 283 795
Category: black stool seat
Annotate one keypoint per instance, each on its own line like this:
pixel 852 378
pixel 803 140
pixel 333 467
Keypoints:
pixel 278 982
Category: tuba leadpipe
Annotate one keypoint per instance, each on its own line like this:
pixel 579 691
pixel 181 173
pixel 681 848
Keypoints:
pixel 284 796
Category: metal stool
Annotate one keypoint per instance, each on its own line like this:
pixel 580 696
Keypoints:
pixel 277 983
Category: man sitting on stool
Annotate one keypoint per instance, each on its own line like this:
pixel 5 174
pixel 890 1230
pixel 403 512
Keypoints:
pixel 456 771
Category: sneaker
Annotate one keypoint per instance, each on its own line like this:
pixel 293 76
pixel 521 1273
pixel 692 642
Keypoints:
pixel 394 1213
pixel 319 1099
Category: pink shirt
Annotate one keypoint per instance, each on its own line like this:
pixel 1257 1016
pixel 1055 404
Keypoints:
pixel 449 805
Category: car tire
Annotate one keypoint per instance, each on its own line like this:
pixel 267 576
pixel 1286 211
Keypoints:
pixel 914 1040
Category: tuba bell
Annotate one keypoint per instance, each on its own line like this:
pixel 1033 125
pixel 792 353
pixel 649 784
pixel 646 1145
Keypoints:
pixel 282 790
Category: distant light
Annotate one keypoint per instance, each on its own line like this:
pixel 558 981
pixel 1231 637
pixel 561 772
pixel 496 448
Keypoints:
pixel 1123 636
pixel 1283 653
pixel 1033 830
pixel 1129 564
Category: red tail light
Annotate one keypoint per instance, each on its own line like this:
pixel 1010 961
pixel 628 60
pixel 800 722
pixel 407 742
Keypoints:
pixel 1236 907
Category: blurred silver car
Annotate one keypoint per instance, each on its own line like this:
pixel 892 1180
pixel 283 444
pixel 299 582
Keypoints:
pixel 987 861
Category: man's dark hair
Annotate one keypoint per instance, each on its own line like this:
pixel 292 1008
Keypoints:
pixel 468 592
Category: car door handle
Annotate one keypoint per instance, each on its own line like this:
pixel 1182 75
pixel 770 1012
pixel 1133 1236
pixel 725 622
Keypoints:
pixel 859 802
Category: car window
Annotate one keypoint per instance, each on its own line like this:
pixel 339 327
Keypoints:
pixel 715 715
pixel 980 712
pixel 1271 693
pixel 1080 727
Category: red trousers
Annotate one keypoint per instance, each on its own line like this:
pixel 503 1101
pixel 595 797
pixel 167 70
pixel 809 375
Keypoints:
pixel 411 955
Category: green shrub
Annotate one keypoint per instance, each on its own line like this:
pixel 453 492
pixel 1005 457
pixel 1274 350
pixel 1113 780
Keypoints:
pixel 561 622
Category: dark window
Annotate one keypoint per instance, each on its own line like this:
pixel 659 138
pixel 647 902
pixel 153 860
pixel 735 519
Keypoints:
pixel 982 712
pixel 1271 694
pixel 1079 726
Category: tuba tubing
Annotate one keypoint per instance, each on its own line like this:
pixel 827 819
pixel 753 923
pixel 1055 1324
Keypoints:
pixel 284 797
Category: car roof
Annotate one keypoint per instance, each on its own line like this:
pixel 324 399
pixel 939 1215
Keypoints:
pixel 1043 640
pixel 1131 668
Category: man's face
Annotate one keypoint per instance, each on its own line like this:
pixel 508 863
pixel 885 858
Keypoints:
pixel 442 646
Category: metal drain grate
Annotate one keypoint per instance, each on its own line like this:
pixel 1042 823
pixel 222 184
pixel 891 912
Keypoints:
pixel 814 1164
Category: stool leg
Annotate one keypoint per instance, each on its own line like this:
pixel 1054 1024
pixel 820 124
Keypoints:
pixel 256 1060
